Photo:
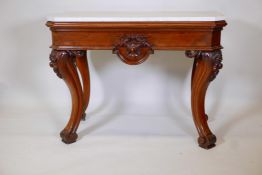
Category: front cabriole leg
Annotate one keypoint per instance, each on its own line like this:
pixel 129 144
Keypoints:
pixel 206 68
pixel 64 64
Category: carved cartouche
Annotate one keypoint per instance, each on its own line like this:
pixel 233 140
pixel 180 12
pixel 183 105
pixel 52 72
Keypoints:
pixel 133 49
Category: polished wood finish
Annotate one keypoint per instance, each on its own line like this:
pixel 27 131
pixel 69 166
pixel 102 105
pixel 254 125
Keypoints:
pixel 162 35
pixel 65 66
pixel 205 69
pixel 133 42
pixel 82 65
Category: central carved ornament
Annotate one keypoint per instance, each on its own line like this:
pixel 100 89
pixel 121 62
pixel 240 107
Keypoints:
pixel 133 49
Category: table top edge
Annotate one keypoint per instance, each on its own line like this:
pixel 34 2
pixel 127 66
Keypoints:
pixel 170 16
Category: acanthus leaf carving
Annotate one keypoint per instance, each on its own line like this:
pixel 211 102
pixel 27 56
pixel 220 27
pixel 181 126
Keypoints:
pixel 63 54
pixel 133 49
pixel 54 56
pixel 215 56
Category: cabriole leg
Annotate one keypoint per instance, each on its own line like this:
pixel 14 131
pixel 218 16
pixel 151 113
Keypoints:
pixel 205 69
pixel 64 64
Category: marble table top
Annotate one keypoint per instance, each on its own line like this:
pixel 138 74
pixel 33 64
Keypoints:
pixel 135 16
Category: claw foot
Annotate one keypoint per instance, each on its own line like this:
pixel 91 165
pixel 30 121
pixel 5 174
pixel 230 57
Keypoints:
pixel 68 137
pixel 207 142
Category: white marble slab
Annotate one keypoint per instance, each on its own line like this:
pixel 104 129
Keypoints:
pixel 136 16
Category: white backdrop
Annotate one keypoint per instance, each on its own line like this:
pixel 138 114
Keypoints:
pixel 26 79
pixel 160 86
pixel 149 99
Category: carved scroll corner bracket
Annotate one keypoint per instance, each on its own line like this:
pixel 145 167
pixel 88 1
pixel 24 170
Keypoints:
pixel 215 57
pixel 133 49
pixel 57 55
pixel 54 56
pixel 217 64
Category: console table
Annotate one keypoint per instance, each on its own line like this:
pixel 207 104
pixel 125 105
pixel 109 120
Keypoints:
pixel 133 37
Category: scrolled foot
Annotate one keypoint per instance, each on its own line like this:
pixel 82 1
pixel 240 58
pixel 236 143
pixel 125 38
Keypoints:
pixel 83 118
pixel 207 142
pixel 68 137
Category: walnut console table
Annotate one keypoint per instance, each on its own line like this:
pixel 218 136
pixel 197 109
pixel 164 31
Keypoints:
pixel 133 37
